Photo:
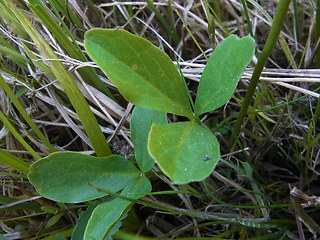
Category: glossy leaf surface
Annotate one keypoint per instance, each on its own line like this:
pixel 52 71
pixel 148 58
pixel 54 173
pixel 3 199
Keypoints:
pixel 144 74
pixel 106 218
pixel 140 124
pixel 184 151
pixel 64 176
pixel 222 72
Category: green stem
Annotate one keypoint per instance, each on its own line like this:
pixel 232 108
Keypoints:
pixel 271 41
pixel 190 98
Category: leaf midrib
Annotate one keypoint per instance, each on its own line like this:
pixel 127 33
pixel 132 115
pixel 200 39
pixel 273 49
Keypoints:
pixel 166 97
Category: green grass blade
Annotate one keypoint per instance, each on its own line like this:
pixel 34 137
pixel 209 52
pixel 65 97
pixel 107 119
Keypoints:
pixel 246 14
pixel 170 30
pixel 287 52
pixel 24 114
pixel 14 162
pixel 14 132
pixel 297 22
pixel 7 14
pixel 15 56
pixel 71 46
pixel 317 33
pixel 211 23
pixel 81 106
pixel 216 16
pixel 62 6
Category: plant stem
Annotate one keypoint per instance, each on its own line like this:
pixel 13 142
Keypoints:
pixel 271 41
pixel 185 84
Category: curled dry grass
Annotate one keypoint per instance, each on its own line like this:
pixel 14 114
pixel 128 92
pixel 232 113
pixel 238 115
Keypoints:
pixel 278 147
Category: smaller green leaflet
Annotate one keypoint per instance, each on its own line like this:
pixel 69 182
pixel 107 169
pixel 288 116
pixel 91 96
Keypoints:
pixel 222 72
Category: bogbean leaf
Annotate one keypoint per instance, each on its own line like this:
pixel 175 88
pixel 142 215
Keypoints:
pixel 106 218
pixel 222 72
pixel 184 151
pixel 143 73
pixel 65 176
pixel 140 124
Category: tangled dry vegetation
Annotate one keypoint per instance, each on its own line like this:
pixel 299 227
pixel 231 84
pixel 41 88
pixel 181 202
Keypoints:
pixel 260 175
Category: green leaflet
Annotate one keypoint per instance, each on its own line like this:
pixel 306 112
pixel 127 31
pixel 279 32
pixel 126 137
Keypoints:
pixel 144 74
pixel 184 151
pixel 140 124
pixel 64 176
pixel 108 215
pixel 222 72
pixel 81 225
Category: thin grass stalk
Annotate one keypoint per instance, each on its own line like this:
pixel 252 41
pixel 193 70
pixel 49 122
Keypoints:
pixel 216 16
pixel 271 41
pixel 170 30
pixel 14 132
pixel 15 56
pixel 317 33
pixel 6 14
pixel 66 11
pixel 68 42
pixel 246 14
pixel 171 10
pixel 296 21
pixel 193 38
pixel 187 212
pixel 247 17
pixel 211 22
pixel 24 114
pixel 78 101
